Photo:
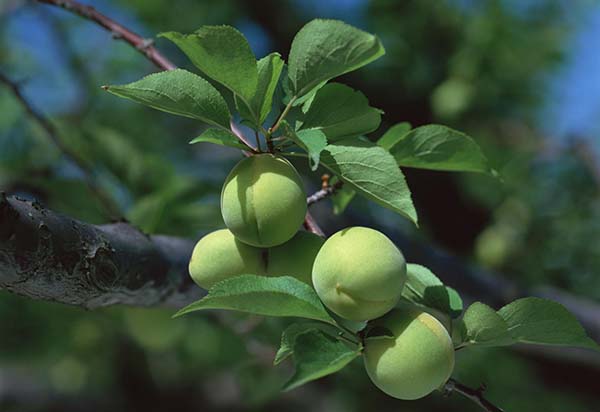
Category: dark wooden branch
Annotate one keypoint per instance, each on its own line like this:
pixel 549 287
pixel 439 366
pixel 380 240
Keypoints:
pixel 475 395
pixel 88 174
pixel 47 256
pixel 118 31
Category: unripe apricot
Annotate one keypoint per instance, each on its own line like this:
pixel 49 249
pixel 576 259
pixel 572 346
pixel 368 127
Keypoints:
pixel 359 273
pixel 416 361
pixel 295 257
pixel 219 256
pixel 263 201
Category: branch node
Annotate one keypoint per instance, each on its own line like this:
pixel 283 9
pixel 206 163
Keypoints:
pixel 326 190
pixel 475 395
pixel 145 44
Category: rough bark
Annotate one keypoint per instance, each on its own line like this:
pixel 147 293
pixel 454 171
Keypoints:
pixel 48 256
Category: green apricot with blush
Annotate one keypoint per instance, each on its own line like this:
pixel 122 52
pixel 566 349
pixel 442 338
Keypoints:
pixel 219 256
pixel 359 273
pixel 295 257
pixel 263 201
pixel 417 360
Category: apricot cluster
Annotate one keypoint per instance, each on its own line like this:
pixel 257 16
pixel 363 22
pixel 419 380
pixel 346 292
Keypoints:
pixel 358 273
pixel 263 204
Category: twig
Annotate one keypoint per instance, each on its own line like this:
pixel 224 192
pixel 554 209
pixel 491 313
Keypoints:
pixel 119 32
pixel 324 193
pixel 311 225
pixel 52 134
pixel 274 128
pixel 475 395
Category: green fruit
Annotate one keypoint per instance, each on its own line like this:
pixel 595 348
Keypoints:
pixel 219 256
pixel 263 201
pixel 359 273
pixel 295 257
pixel 416 361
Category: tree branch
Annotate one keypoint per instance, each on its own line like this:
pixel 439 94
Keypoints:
pixel 118 31
pixel 324 193
pixel 47 256
pixel 475 395
pixel 89 179
pixel 311 225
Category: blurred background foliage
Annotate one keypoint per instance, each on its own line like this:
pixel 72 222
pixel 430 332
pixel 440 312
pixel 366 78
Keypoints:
pixel 516 75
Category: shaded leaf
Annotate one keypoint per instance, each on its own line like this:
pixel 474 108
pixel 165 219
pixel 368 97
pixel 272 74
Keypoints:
pixel 223 54
pixel 269 70
pixel 438 147
pixel 536 320
pixel 220 137
pixel 341 112
pixel 393 135
pixel 178 92
pixel 316 355
pixel 425 288
pixel 484 327
pixel 312 141
pixel 372 172
pixel 324 49
pixel 288 338
pixel 270 296
pixel 378 332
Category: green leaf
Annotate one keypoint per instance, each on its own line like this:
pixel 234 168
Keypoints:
pixel 288 338
pixel 484 327
pixel 536 320
pixel 313 141
pixel 304 101
pixel 393 135
pixel 438 147
pixel 378 332
pixel 324 49
pixel 220 137
pixel 372 172
pixel 353 326
pixel 425 288
pixel 341 199
pixel 455 303
pixel 269 70
pixel 223 54
pixel 317 354
pixel 178 92
pixel 276 296
pixel 341 112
